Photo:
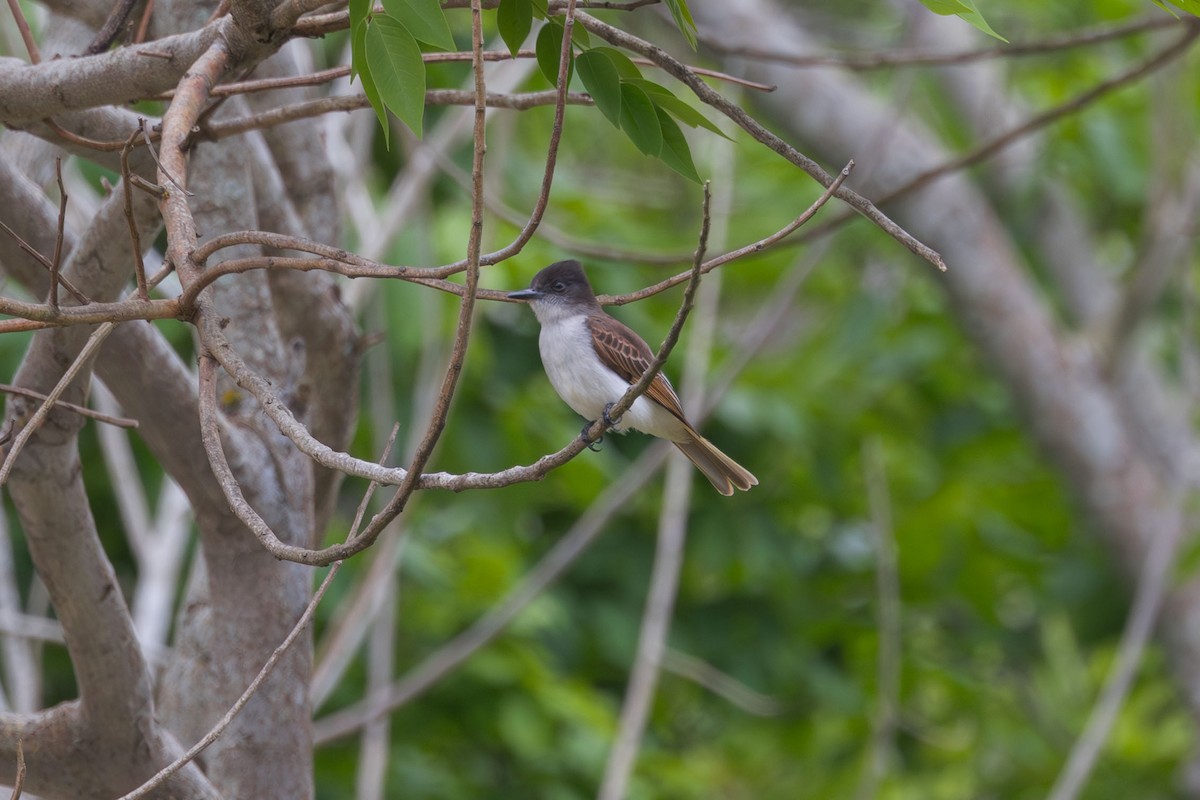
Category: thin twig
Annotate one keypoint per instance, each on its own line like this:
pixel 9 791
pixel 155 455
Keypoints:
pixel 111 27
pixel 342 103
pixel 660 602
pixel 741 252
pixel 31 47
pixel 45 263
pixel 709 96
pixel 1153 582
pixel 301 624
pixel 139 266
pixel 85 354
pixel 883 724
pixel 462 334
pixel 19 780
pixel 714 680
pixel 145 129
pixel 56 262
pixel 635 391
pixel 884 59
pixel 144 23
pixel 83 411
pixel 1037 121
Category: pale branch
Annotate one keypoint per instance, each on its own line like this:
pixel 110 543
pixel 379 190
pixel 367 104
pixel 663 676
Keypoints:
pixel 345 103
pixel 1152 585
pixel 886 716
pixel 709 96
pixel 81 362
pixel 462 334
pixel 645 671
pixel 277 654
pixel 741 252
pixel 120 422
pixel 116 77
pixel 989 148
pixel 26 34
pixel 554 235
pixel 111 28
pixel 455 652
pixel 721 684
pixel 1042 119
pixel 333 73
pixel 227 719
pixel 886 59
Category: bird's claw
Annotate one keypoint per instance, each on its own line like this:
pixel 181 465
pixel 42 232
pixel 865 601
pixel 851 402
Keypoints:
pixel 594 446
pixel 609 421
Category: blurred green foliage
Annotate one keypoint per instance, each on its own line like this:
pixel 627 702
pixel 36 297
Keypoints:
pixel 1010 608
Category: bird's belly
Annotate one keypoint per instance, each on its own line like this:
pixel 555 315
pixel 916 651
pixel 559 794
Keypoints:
pixel 587 386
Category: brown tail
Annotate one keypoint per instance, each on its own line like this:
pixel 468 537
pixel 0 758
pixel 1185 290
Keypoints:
pixel 722 472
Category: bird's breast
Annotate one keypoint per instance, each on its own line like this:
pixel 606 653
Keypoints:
pixel 587 385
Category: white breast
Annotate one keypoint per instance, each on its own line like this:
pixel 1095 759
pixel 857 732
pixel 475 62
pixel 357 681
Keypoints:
pixel 587 386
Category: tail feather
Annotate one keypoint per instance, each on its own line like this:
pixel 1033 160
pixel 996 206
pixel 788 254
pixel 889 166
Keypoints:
pixel 722 472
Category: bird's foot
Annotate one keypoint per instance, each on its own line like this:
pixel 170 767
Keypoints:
pixel 583 434
pixel 609 421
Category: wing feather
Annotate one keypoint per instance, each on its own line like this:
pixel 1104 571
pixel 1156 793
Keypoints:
pixel 624 352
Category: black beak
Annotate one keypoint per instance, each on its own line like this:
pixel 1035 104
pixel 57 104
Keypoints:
pixel 524 294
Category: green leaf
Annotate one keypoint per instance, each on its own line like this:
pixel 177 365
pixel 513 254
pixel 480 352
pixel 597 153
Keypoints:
pixel 675 151
pixel 360 69
pixel 966 10
pixel 358 17
pixel 639 120
pixel 1190 6
pixel 549 49
pixel 514 18
pixel 424 20
pixel 625 68
pixel 665 99
pixel 683 20
pixel 602 82
pixel 540 9
pixel 975 18
pixel 399 73
pixel 946 8
pixel 359 9
pixel 579 35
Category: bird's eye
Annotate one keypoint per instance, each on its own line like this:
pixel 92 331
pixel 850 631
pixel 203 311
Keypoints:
pixel 559 286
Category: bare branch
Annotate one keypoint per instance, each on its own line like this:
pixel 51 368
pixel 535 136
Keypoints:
pixel 111 28
pixel 887 588
pixel 1153 579
pixel 677 69
pixel 330 105
pixel 120 422
pixel 922 58
pixel 26 35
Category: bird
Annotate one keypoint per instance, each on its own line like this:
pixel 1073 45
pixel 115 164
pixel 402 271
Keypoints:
pixel 591 359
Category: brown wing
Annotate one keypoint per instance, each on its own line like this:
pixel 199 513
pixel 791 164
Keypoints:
pixel 624 352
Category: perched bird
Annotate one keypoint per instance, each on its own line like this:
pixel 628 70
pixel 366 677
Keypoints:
pixel 592 359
